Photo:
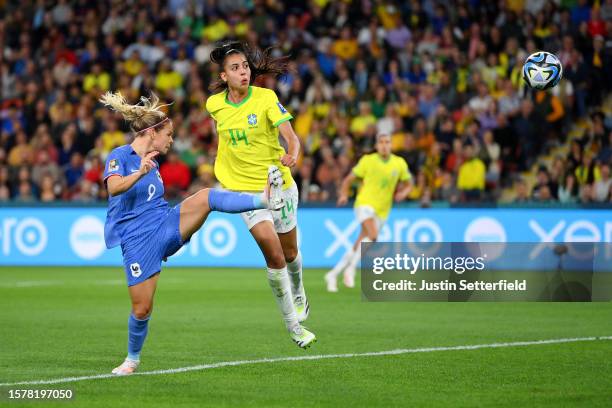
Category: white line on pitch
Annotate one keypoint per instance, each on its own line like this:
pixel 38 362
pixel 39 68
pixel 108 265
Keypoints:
pixel 111 282
pixel 29 284
pixel 314 357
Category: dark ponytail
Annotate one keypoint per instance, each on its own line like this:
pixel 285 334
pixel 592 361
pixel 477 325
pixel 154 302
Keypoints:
pixel 260 62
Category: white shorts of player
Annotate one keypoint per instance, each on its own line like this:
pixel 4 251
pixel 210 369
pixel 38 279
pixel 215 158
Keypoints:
pixel 284 220
pixel 364 212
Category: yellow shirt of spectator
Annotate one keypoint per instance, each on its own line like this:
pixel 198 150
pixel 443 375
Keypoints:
pixel 101 81
pixel 133 66
pixel 241 29
pixel 166 81
pixel 303 123
pixel 216 31
pixel 360 124
pixel 110 140
pixel 471 175
pixel 345 49
pixel 379 179
pixel 387 19
pixel 248 139
pixel 321 110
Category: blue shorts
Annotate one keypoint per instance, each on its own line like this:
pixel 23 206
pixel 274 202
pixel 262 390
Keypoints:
pixel 142 256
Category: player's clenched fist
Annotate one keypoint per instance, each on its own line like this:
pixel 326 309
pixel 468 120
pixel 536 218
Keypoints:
pixel 147 163
pixel 288 160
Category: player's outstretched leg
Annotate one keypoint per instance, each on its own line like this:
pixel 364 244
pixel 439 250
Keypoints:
pixel 232 202
pixel 195 209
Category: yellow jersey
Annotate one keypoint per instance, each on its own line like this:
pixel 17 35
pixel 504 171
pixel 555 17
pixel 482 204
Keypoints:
pixel 379 179
pixel 472 175
pixel 248 139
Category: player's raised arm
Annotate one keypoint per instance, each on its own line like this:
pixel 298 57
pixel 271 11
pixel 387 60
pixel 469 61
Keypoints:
pixel 118 185
pixel 293 144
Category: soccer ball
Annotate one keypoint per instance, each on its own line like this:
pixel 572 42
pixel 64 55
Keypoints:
pixel 542 70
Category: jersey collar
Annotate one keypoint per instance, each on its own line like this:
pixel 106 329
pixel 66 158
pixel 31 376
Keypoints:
pixel 237 105
pixel 383 160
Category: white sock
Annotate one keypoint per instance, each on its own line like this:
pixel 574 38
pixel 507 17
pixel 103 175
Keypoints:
pixel 295 273
pixel 281 289
pixel 352 266
pixel 344 262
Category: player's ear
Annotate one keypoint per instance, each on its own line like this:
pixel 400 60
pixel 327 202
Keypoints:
pixel 223 76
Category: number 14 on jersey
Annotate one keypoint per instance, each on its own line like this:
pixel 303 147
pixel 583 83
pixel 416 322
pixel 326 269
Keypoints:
pixel 237 135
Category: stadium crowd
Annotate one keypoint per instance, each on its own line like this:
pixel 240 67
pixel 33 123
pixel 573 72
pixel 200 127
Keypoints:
pixel 443 78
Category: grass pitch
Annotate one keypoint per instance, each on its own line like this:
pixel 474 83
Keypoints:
pixel 67 322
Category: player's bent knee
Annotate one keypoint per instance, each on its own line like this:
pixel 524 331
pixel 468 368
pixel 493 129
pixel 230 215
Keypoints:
pixel 290 254
pixel 196 202
pixel 276 260
pixel 142 311
pixel 202 198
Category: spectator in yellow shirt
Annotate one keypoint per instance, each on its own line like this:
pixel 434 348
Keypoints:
pixel 303 121
pixel 471 179
pixel 61 111
pixel 167 80
pixel 112 137
pixel 97 80
pixel 387 15
pixel 22 153
pixel 216 30
pixel 346 46
pixel 587 172
pixel 133 65
pixel 361 122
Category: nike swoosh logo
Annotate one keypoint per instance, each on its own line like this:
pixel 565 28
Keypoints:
pixel 133 170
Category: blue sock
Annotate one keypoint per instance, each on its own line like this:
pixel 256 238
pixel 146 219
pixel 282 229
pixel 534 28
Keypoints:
pixel 231 202
pixel 137 333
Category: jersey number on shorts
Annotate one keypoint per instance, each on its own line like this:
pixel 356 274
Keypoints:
pixel 151 191
pixel 289 208
pixel 237 135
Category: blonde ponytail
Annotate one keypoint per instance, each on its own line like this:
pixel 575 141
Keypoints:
pixel 145 114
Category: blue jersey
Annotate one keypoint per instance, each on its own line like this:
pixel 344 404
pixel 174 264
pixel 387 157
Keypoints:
pixel 138 210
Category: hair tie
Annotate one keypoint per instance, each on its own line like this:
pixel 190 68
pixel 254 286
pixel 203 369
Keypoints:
pixel 155 125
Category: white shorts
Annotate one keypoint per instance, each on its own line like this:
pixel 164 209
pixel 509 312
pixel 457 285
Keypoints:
pixel 284 220
pixel 364 212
